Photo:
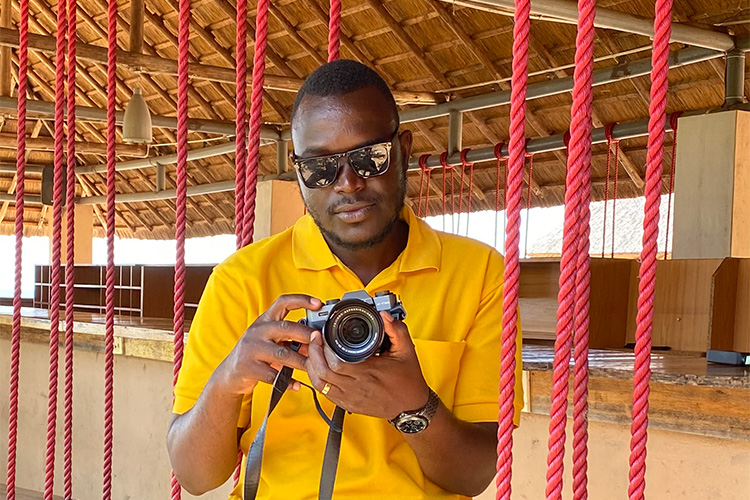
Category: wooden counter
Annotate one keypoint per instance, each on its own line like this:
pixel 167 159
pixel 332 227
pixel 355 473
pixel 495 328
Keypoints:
pixel 688 394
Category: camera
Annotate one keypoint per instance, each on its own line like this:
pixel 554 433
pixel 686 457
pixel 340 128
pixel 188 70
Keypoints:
pixel 352 326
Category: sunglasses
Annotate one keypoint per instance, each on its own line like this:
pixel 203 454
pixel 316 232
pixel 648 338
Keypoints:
pixel 366 162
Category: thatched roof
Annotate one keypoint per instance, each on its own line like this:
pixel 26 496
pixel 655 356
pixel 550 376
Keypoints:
pixel 450 51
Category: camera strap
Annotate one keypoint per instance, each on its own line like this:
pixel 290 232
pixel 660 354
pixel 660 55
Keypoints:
pixel 333 444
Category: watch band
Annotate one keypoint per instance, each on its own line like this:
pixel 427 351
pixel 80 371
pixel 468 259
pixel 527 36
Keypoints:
pixel 425 413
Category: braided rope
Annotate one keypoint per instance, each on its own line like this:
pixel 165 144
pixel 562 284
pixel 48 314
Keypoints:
pixel 57 196
pixel 500 160
pixel 425 174
pixel 647 283
pixel 581 126
pixel 673 123
pixel 183 58
pixel 109 342
pixel 608 135
pixel 528 206
pixel 70 262
pixel 15 349
pixel 513 195
pixel 471 188
pixel 256 114
pixel 573 297
pixel 240 120
pixel 444 164
pixel 616 166
pixel 334 30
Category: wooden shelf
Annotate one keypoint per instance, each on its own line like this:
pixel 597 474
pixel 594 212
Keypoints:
pixel 140 290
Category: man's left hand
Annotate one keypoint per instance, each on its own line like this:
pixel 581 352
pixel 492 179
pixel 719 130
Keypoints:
pixel 383 386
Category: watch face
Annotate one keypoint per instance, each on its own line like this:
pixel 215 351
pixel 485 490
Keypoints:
pixel 412 424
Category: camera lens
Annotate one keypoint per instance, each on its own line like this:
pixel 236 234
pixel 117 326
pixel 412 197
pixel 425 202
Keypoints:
pixel 354 330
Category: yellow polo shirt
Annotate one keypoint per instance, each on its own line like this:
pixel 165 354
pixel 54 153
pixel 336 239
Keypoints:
pixel 451 288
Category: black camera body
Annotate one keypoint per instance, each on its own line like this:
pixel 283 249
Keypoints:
pixel 352 326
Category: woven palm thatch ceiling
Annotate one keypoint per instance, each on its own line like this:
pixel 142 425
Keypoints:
pixel 429 51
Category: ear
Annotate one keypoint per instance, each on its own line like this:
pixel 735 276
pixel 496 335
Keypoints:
pixel 405 141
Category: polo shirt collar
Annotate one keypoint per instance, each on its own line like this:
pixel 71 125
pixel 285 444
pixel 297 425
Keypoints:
pixel 310 250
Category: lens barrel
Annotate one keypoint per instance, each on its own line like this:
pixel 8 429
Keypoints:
pixel 354 331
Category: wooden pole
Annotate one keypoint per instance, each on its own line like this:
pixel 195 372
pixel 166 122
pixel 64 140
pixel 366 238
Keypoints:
pixel 5 64
pixel 98 148
pixel 161 66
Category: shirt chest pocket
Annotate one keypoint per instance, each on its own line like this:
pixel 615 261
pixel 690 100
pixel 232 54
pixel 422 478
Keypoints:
pixel 440 362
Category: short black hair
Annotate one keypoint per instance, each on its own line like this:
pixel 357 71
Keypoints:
pixel 341 77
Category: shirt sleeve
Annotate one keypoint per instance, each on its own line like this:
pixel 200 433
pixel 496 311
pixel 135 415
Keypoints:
pixel 477 387
pixel 219 323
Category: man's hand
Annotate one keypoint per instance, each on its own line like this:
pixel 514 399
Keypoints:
pixel 382 386
pixel 264 348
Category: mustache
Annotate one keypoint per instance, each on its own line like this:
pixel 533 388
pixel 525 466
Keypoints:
pixel 350 200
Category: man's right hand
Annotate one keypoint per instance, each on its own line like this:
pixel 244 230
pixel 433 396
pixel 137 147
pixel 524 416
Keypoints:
pixel 264 347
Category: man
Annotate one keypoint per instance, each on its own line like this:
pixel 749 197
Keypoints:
pixel 351 162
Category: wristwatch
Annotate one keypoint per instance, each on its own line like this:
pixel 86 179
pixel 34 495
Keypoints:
pixel 414 421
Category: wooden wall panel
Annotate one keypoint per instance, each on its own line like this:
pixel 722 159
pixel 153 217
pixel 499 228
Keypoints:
pixel 741 201
pixel 682 304
pixel 742 316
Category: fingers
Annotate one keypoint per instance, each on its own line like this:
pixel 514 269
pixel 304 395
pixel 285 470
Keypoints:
pixel 317 367
pixel 280 355
pixel 286 303
pixel 397 333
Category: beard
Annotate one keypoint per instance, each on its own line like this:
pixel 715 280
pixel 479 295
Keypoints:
pixel 332 237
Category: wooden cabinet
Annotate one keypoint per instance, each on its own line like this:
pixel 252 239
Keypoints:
pixel 141 291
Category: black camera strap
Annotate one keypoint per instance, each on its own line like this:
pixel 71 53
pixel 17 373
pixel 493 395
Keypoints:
pixel 333 444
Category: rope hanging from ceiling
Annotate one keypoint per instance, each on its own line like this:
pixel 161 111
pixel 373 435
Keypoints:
pixel 109 335
pixel 647 282
pixel 528 206
pixel 608 135
pixel 57 197
pixel 424 187
pixel 183 58
pixel 517 153
pixel 572 314
pixel 70 262
pixel 15 349
pixel 501 162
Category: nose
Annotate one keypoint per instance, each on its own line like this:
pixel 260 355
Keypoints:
pixel 348 181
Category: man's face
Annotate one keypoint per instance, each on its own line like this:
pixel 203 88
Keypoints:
pixel 353 213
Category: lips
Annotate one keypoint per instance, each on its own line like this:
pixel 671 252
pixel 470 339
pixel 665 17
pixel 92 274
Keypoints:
pixel 356 212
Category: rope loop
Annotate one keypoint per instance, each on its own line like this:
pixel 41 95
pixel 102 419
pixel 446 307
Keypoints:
pixel 499 150
pixel 464 161
pixel 673 120
pixel 608 131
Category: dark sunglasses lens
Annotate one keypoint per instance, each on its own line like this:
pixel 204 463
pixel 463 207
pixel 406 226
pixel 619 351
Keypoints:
pixel 318 172
pixel 370 161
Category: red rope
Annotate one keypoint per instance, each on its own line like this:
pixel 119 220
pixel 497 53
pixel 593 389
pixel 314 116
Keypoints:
pixel 616 162
pixel 334 30
pixel 425 174
pixel 528 205
pixel 461 190
pixel 70 265
pixel 240 120
pixel 15 349
pixel 464 164
pixel 444 163
pixel 608 134
pixel 500 160
pixel 183 58
pixel 513 189
pixel 256 113
pixel 647 274
pixel 673 123
pixel 573 297
pixel 109 361
pixel 57 197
